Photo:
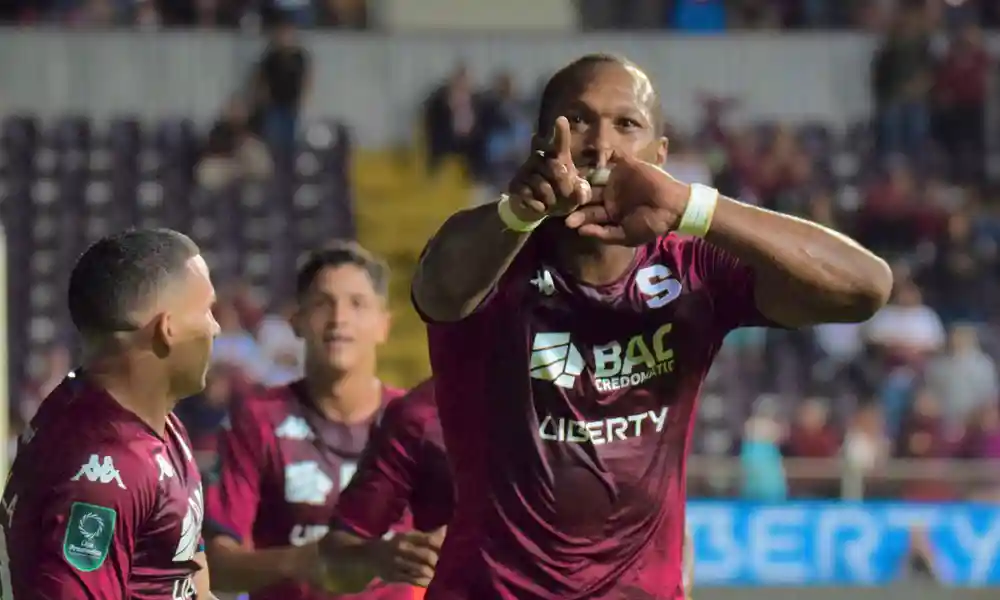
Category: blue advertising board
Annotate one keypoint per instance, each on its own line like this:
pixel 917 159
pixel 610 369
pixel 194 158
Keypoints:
pixel 841 543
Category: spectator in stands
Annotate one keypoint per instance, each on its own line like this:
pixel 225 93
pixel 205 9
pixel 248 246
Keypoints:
pixel 280 346
pixel 760 456
pixel 699 16
pixel 782 171
pixel 958 276
pixel 344 14
pixel 235 347
pixel 300 13
pixel 907 330
pixel 982 435
pixel 812 436
pixel 452 120
pixel 923 436
pixel 232 151
pixel 889 219
pixel 755 14
pixel 281 84
pixel 901 80
pixel 964 376
pixel 960 92
pixel 866 445
pixel 507 126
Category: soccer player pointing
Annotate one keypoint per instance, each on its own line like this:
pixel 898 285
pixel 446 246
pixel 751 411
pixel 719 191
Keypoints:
pixel 570 330
pixel 104 499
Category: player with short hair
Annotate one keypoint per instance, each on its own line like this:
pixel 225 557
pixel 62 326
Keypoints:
pixel 571 325
pixel 104 499
pixel 284 456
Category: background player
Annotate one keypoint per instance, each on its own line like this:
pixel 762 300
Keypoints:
pixel 404 469
pixel 567 362
pixel 285 456
pixel 104 499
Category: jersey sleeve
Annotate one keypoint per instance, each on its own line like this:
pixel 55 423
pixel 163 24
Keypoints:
pixel 89 525
pixel 381 489
pixel 729 283
pixel 506 293
pixel 233 495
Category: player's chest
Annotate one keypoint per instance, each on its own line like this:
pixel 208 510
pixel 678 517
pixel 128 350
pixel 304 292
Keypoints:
pixel 313 461
pixel 594 346
pixel 173 532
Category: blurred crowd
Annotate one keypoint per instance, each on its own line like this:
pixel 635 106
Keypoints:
pixel 919 381
pixel 685 15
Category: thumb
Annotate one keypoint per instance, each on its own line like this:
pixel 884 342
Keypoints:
pixel 439 533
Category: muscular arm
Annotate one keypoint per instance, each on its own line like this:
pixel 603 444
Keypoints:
pixel 463 262
pixel 236 568
pixel 805 273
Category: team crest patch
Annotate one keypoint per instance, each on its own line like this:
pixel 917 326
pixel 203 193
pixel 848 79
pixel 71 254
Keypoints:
pixel 89 532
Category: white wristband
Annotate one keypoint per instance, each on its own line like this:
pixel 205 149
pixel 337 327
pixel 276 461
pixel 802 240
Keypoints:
pixel 512 221
pixel 697 217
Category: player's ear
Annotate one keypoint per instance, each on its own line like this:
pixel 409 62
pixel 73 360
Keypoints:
pixel 164 334
pixel 383 325
pixel 296 320
pixel 662 149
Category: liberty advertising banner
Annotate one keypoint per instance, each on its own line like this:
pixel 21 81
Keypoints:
pixel 844 544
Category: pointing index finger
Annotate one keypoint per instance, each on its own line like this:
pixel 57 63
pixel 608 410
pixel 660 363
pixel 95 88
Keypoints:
pixel 560 143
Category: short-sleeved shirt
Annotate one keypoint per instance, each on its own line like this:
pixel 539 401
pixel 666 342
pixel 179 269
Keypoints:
pixel 404 468
pixel 98 505
pixel 282 465
pixel 567 412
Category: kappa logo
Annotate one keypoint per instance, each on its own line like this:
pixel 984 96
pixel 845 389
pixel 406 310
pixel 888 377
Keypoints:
pixel 294 428
pixel 554 358
pixel 544 283
pixel 166 469
pixel 98 470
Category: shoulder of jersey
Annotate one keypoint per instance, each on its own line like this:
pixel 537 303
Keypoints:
pixel 416 405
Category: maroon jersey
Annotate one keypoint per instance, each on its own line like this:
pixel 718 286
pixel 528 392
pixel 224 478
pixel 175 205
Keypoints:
pixel 403 468
pixel 281 468
pixel 98 505
pixel 567 411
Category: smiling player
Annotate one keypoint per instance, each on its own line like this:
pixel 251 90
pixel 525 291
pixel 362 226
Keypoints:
pixel 285 455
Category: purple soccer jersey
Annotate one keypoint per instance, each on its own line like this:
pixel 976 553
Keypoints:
pixel 98 505
pixel 404 468
pixel 282 466
pixel 567 411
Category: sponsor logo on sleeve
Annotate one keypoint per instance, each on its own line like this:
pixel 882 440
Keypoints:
pixel 90 531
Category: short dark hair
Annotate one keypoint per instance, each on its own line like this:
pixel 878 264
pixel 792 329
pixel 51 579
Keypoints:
pixel 120 274
pixel 569 76
pixel 338 253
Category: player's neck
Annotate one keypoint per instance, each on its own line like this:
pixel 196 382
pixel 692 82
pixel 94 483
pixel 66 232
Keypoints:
pixel 131 385
pixel 345 397
pixel 592 262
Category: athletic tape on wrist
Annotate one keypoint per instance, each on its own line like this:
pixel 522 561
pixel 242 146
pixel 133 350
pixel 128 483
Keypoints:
pixel 697 217
pixel 512 221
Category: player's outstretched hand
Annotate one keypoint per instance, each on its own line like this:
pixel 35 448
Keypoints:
pixel 548 183
pixel 409 557
pixel 640 203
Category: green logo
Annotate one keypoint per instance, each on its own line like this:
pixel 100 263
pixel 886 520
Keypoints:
pixel 89 532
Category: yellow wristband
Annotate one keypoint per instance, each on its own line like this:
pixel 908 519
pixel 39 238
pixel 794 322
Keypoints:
pixel 512 221
pixel 697 217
